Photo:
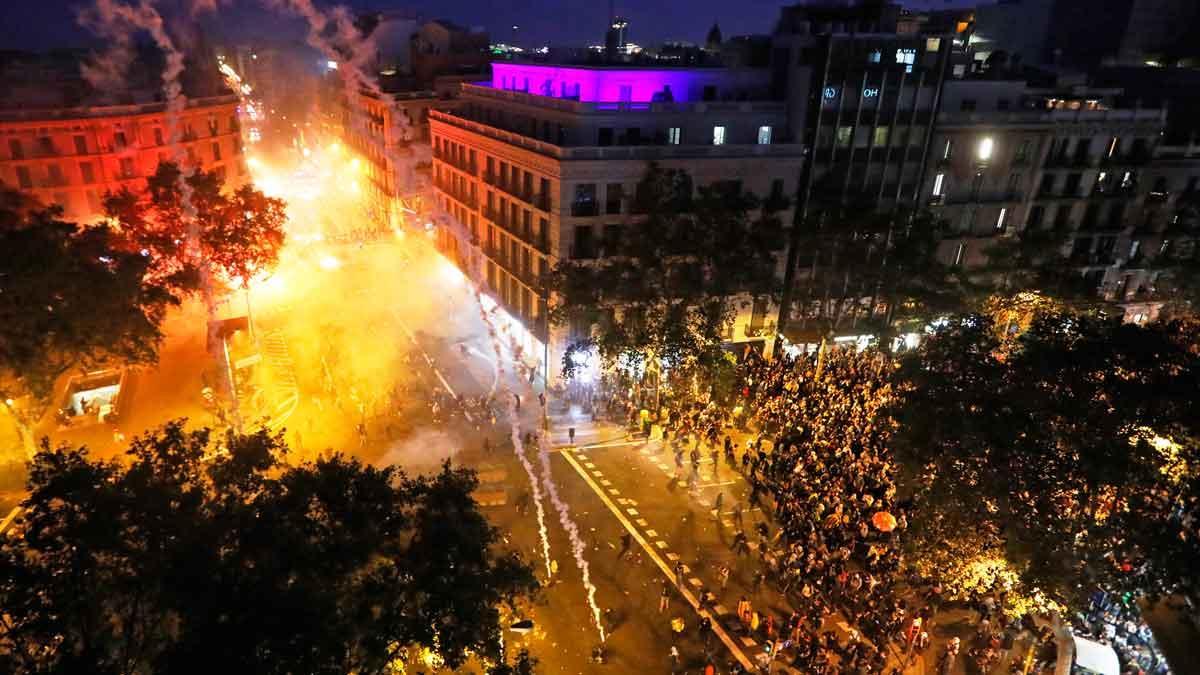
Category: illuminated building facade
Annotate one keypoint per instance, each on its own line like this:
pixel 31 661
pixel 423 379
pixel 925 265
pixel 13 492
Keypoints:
pixel 540 165
pixel 74 156
pixel 1007 157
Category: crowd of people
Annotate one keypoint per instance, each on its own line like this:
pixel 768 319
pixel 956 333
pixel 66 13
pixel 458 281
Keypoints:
pixel 830 478
pixel 818 459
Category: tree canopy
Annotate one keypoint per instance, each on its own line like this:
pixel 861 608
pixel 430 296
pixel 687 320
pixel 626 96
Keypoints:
pixel 70 296
pixel 1072 449
pixel 866 271
pixel 196 555
pixel 667 285
pixel 240 233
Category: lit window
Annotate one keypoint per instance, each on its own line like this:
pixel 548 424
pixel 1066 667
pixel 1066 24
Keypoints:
pixel 908 56
pixel 939 182
pixel 673 135
pixel 1000 219
pixel 718 135
pixel 843 136
pixel 875 56
pixel 986 145
pixel 881 137
pixel 764 135
pixel 933 44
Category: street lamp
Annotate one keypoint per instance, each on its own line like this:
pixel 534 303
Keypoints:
pixel 984 150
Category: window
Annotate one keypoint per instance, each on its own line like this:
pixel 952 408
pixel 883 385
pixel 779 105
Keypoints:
pixel 1002 104
pixel 1000 219
pixel 88 172
pixel 718 135
pixel 584 245
pixel 1047 186
pixel 605 136
pixel 80 145
pixel 55 174
pixel 968 105
pixel 119 139
pixel 1114 144
pixel 614 193
pixel 1071 189
pixel 1036 214
pixel 46 145
pixel 15 149
pixel 948 151
pixel 23 178
pixel 673 135
pixel 960 252
pixel 1014 182
pixel 127 167
pixel 625 93
pixel 764 135
pixel 1022 153
pixel 939 183
pixel 880 138
pixel 585 200
pixel 844 134
pixel 216 148
pixel 612 240
pixel 875 56
pixel 933 44
pixel 907 57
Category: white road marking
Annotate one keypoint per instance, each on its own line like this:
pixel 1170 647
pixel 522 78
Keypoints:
pixel 662 565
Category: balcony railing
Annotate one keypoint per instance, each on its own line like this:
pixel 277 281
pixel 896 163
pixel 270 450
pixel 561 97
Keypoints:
pixel 585 209
pixel 462 165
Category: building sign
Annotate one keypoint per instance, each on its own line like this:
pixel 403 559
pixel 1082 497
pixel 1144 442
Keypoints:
pixel 870 92
pixel 831 92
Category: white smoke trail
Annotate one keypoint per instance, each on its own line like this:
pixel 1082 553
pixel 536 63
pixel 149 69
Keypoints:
pixel 351 50
pixel 118 21
pixel 564 511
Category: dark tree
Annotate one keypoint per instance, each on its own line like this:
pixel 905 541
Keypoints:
pixel 866 271
pixel 666 288
pixel 70 297
pixel 1076 442
pixel 198 556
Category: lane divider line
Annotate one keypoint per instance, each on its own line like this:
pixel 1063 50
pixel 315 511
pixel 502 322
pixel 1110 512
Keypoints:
pixel 717 628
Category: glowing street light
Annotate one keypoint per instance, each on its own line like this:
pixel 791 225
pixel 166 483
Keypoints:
pixel 986 145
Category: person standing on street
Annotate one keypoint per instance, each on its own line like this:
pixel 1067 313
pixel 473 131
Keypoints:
pixel 717 506
pixel 626 545
pixel 664 598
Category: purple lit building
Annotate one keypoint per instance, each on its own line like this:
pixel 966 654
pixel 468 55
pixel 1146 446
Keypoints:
pixel 541 165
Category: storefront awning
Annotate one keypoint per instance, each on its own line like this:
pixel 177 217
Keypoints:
pixel 1095 657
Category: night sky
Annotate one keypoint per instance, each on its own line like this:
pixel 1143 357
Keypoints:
pixel 41 24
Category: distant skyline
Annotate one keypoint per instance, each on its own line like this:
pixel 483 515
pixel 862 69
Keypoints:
pixel 45 24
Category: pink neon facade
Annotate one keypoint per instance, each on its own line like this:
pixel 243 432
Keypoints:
pixel 605 84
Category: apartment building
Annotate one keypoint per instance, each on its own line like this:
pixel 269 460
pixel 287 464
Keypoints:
pixel 540 165
pixel 73 156
pixel 1008 156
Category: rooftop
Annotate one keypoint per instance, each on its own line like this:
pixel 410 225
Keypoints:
pixel 625 84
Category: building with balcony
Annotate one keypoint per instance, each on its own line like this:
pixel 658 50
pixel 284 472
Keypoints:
pixel 73 156
pixel 541 164
pixel 1007 156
